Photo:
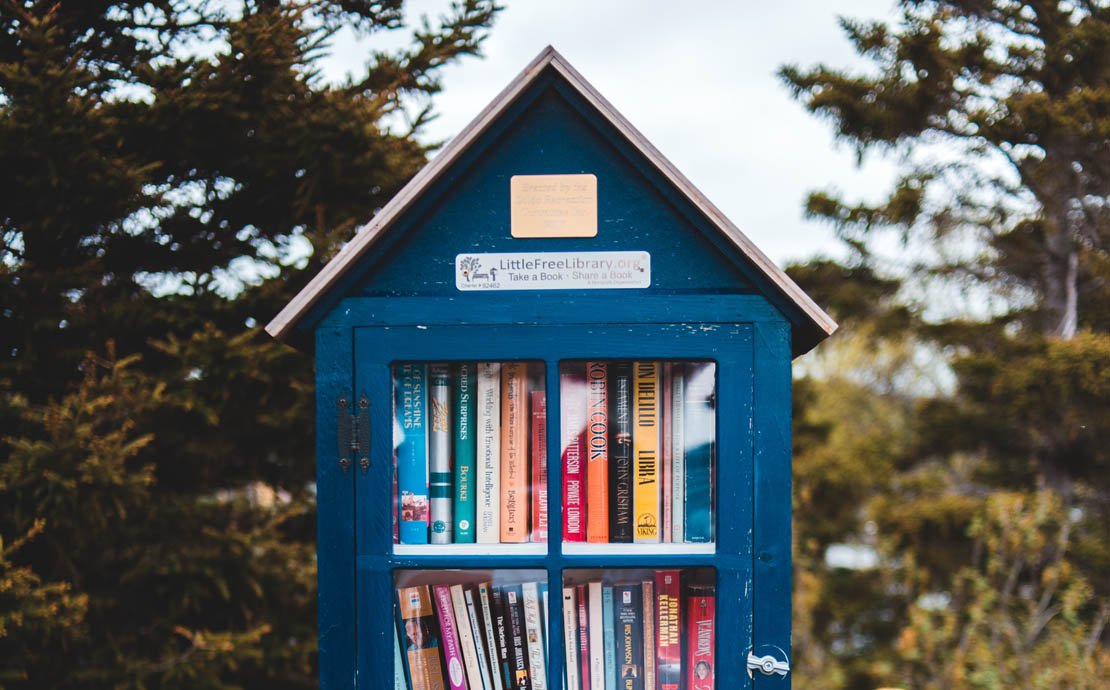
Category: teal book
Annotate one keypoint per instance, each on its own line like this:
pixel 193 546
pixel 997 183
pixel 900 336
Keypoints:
pixel 700 437
pixel 466 447
pixel 608 635
pixel 398 665
pixel 410 440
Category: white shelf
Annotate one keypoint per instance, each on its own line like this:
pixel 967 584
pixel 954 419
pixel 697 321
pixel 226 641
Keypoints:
pixel 588 549
pixel 529 549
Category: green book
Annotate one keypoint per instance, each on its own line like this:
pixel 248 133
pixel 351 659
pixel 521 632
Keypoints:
pixel 465 453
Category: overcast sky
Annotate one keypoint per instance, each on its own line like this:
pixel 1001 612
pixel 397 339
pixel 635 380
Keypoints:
pixel 698 80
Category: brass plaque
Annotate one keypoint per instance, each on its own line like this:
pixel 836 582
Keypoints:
pixel 553 205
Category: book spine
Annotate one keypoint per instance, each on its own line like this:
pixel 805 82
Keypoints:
pixel 570 638
pixel 518 662
pixel 533 628
pixel 489 452
pixel 477 631
pixel 452 654
pixel 608 637
pixel 699 640
pixel 496 672
pixel 668 647
pixel 412 456
pixel 439 452
pixel 620 453
pixel 649 635
pixel 699 439
pixel 665 473
pixel 466 450
pixel 645 441
pixel 417 614
pixel 466 638
pixel 398 664
pixel 597 638
pixel 582 594
pixel 628 606
pixel 572 432
pixel 514 452
pixel 539 465
pixel 678 455
pixel 543 621
pixel 597 449
pixel 504 636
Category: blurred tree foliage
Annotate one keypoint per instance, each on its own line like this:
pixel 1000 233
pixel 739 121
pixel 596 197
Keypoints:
pixel 965 448
pixel 163 167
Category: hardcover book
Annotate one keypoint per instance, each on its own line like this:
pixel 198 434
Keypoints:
pixel 597 637
pixel 412 458
pixel 678 455
pixel 466 452
pixel 572 404
pixel 620 453
pixel 518 659
pixel 539 465
pixel 570 639
pixel 668 626
pixel 628 607
pixel 417 614
pixel 452 654
pixel 439 452
pixel 597 452
pixel 489 452
pixel 478 633
pixel 466 638
pixel 645 448
pixel 699 438
pixel 497 673
pixel 700 662
pixel 514 452
pixel 535 634
pixel 649 634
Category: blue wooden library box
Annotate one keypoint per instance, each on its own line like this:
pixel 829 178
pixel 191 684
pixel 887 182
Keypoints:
pixel 553 419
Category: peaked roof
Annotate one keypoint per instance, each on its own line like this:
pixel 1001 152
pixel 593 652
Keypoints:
pixel 817 324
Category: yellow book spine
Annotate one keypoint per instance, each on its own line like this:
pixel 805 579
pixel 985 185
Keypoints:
pixel 514 452
pixel 645 453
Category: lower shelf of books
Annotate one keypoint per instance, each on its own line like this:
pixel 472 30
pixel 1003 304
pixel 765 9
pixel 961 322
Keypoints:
pixel 471 629
pixel 639 629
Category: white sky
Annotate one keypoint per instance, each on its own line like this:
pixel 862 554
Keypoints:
pixel 698 80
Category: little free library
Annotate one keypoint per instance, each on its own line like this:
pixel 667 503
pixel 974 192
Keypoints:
pixel 553 419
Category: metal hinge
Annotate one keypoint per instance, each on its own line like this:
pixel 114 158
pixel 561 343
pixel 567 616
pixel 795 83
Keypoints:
pixel 768 665
pixel 352 433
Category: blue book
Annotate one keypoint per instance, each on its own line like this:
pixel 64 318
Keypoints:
pixel 608 636
pixel 466 448
pixel 700 437
pixel 410 439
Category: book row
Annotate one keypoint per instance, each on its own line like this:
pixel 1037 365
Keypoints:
pixel 637 442
pixel 470 452
pixel 472 637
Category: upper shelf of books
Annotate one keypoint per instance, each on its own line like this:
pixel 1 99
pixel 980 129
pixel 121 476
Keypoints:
pixel 637 457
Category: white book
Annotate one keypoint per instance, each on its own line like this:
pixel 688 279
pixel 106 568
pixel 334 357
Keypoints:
pixel 570 637
pixel 491 637
pixel 483 660
pixel 678 456
pixel 489 452
pixel 597 638
pixel 466 638
pixel 439 453
pixel 534 635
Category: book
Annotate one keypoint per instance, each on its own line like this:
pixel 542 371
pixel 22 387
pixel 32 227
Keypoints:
pixel 439 452
pixel 597 637
pixel 496 676
pixel 398 664
pixel 466 638
pixel 417 616
pixel 609 638
pixel 539 465
pixel 514 452
pixel 667 450
pixel 645 453
pixel 572 406
pixel 409 437
pixel 478 633
pixel 489 453
pixel 581 593
pixel 668 626
pixel 570 639
pixel 543 621
pixel 649 634
pixel 628 607
pixel 518 650
pixel 466 450
pixel 699 638
pixel 678 455
pixel 504 635
pixel 597 452
pixel 534 632
pixel 452 654
pixel 699 435
pixel 620 452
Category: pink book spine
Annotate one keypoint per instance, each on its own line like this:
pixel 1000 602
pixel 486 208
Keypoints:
pixel 668 480
pixel 452 654
pixel 539 465
pixel 572 404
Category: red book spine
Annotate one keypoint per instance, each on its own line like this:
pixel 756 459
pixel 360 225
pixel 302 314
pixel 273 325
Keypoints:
pixel 572 404
pixel 539 465
pixel 668 626
pixel 584 636
pixel 699 641
pixel 668 480
pixel 597 447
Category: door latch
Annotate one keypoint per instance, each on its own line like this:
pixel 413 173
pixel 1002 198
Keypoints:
pixel 767 664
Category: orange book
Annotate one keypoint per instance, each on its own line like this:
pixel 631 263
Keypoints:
pixel 514 452
pixel 597 452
